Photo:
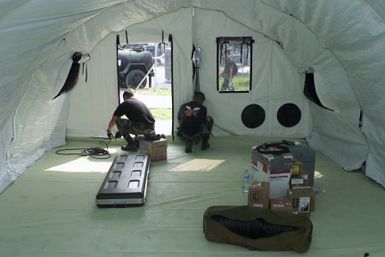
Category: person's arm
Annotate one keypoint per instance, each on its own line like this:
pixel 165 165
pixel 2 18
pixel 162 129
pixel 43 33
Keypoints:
pixel 180 113
pixel 112 123
pixel 203 117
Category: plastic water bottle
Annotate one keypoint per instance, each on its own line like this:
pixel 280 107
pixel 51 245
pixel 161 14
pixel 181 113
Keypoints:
pixel 245 180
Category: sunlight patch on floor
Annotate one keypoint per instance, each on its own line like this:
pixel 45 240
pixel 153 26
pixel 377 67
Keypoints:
pixel 83 164
pixel 198 165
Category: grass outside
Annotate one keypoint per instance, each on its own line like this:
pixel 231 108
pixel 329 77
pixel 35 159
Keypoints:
pixel 161 114
pixel 158 113
pixel 240 82
pixel 153 91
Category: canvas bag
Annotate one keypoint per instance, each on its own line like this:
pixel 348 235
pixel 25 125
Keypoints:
pixel 296 235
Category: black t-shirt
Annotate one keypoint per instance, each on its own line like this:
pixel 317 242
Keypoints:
pixel 135 111
pixel 192 124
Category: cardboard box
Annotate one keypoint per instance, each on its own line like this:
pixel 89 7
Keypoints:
pixel 259 194
pixel 302 199
pixel 299 180
pixel 156 149
pixel 278 171
pixel 269 163
pixel 279 181
pixel 258 174
pixel 297 168
pixel 279 184
pixel 297 151
pixel 306 155
pixel 281 205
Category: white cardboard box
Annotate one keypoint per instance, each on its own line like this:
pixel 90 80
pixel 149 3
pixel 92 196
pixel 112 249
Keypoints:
pixel 279 180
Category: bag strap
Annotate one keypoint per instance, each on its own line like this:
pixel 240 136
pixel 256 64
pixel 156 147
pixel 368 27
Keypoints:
pixel 279 147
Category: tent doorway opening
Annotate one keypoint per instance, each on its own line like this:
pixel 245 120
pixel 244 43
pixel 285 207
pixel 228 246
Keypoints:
pixel 145 68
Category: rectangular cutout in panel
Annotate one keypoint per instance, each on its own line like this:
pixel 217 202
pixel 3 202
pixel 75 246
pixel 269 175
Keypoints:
pixel 133 184
pixel 140 157
pixel 136 173
pixel 115 174
pixel 122 158
pixel 111 184
pixel 138 165
pixel 119 165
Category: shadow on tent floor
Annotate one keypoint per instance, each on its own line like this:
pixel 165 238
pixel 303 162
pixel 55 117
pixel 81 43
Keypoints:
pixel 50 210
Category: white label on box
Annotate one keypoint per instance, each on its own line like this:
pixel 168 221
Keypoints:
pixel 304 204
pixel 279 184
pixel 297 181
pixel 259 205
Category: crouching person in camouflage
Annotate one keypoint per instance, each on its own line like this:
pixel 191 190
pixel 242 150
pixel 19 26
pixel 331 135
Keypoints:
pixel 194 123
pixel 139 121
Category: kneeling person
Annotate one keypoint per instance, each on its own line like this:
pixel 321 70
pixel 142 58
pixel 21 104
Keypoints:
pixel 139 121
pixel 194 123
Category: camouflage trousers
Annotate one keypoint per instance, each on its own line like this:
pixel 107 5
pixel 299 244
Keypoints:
pixel 204 133
pixel 127 127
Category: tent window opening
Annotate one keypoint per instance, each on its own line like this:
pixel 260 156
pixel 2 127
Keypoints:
pixel 234 64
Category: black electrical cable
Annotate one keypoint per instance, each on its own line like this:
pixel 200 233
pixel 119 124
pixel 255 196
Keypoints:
pixel 93 152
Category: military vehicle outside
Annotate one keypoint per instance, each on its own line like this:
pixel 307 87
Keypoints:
pixel 135 67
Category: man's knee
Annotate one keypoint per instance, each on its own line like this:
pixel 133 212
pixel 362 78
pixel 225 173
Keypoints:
pixel 122 123
pixel 189 138
pixel 119 123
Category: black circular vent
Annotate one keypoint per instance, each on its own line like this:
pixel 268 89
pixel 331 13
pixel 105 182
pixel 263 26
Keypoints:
pixel 253 116
pixel 289 115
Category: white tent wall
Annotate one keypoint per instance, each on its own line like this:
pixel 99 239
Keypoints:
pixel 95 96
pixel 47 34
pixel 92 102
pixel 355 33
pixel 297 56
pixel 34 118
pixel 275 81
pixel 341 40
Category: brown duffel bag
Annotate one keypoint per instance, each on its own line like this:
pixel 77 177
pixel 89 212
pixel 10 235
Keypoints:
pixel 257 228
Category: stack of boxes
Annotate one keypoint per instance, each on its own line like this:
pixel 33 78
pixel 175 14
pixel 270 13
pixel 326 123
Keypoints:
pixel 281 181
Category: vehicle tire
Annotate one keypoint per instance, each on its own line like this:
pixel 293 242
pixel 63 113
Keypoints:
pixel 122 82
pixel 134 77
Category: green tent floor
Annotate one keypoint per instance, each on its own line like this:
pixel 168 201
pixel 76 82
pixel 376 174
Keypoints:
pixel 50 210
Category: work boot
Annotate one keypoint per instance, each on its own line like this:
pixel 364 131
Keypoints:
pixel 205 142
pixel 151 137
pixel 188 147
pixel 205 146
pixel 129 147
